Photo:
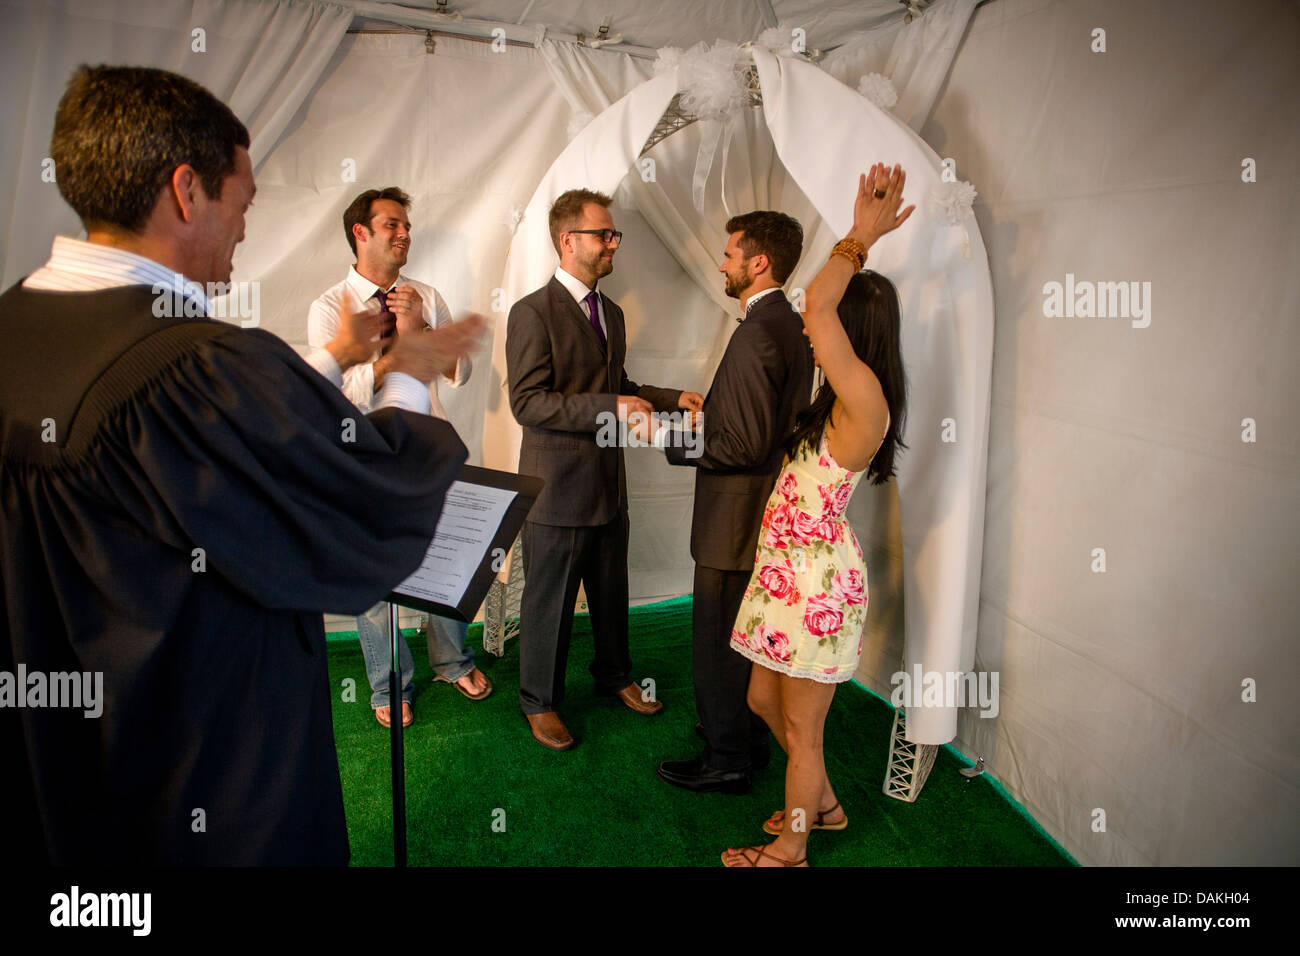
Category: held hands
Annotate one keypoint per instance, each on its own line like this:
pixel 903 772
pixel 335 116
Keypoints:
pixel 639 415
pixel 874 216
pixel 694 403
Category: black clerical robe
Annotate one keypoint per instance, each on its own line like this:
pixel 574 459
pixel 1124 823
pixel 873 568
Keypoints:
pixel 179 502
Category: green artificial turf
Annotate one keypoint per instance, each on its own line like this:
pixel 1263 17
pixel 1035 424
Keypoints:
pixel 480 791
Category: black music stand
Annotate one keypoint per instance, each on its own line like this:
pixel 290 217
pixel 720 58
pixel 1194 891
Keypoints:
pixel 491 540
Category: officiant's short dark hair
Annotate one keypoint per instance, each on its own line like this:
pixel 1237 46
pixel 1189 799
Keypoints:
pixel 771 234
pixel 567 209
pixel 121 131
pixel 359 209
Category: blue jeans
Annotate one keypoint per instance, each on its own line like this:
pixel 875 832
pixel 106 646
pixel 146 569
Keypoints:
pixel 448 656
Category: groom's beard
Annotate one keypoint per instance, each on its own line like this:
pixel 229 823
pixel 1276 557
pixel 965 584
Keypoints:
pixel 738 285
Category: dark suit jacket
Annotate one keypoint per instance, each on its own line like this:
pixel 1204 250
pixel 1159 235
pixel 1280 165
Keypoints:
pixel 560 381
pixel 763 382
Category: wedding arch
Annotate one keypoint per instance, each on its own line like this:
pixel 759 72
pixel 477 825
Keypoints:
pixel 824 133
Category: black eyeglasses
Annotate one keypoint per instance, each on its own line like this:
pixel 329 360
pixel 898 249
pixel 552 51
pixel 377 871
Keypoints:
pixel 606 235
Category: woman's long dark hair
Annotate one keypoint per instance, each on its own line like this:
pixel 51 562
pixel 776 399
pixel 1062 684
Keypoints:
pixel 869 312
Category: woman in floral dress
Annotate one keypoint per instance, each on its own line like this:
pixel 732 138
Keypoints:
pixel 804 612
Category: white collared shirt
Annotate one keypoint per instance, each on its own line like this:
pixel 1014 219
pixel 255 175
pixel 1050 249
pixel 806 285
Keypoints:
pixel 578 289
pixel 79 266
pixel 359 381
pixel 758 295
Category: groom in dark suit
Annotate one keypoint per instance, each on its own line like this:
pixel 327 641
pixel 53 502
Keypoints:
pixel 764 380
pixel 565 346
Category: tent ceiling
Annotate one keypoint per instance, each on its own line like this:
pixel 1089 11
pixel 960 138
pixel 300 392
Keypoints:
pixel 681 23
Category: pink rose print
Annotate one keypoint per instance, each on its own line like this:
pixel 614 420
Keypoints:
pixel 804 527
pixel 775 644
pixel 789 487
pixel 849 586
pixel 828 496
pixel 830 529
pixel 823 616
pixel 842 495
pixel 778 528
pixel 779 580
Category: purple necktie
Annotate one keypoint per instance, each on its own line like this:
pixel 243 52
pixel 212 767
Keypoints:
pixel 593 315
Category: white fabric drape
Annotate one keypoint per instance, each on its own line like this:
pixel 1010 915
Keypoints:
pixel 915 56
pixel 261 57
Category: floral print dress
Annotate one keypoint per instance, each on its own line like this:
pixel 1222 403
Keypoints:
pixel 805 609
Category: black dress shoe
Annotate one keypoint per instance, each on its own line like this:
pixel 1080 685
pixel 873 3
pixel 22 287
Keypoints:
pixel 698 777
pixel 759 757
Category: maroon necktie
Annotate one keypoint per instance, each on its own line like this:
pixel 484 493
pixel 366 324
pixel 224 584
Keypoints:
pixel 389 326
pixel 593 315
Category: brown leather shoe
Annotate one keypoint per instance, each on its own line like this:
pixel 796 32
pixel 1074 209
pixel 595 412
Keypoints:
pixel 549 731
pixel 631 697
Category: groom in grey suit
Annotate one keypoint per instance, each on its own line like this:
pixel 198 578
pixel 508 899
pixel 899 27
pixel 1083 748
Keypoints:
pixel 565 347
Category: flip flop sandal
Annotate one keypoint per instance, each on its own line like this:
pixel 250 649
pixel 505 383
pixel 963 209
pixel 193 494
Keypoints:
pixel 819 823
pixel 385 715
pixel 487 689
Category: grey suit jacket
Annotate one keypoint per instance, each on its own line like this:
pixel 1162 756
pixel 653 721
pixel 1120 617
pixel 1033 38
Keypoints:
pixel 561 380
pixel 762 383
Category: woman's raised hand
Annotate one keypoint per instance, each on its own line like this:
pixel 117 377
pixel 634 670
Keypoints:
pixel 875 210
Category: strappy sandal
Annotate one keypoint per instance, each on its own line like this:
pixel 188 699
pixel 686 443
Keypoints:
pixel 819 822
pixel 762 852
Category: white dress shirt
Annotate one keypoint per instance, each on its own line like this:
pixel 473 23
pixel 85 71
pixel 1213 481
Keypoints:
pixel 578 289
pixel 359 381
pixel 79 266
pixel 758 295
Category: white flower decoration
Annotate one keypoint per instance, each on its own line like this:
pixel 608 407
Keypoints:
pixel 710 80
pixel 879 89
pixel 514 216
pixel 951 202
pixel 669 58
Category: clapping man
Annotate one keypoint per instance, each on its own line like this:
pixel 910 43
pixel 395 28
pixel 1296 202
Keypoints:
pixel 379 233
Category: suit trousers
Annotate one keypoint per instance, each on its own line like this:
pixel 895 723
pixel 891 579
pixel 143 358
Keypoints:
pixel 556 559
pixel 732 731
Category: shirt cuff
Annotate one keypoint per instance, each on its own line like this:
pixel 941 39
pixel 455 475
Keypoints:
pixel 400 390
pixel 327 365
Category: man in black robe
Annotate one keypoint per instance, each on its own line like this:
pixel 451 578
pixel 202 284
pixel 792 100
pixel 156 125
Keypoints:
pixel 180 499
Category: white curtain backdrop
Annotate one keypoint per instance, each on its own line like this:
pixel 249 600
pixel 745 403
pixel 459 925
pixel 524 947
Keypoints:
pixel 915 56
pixel 261 57
pixel 1122 689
